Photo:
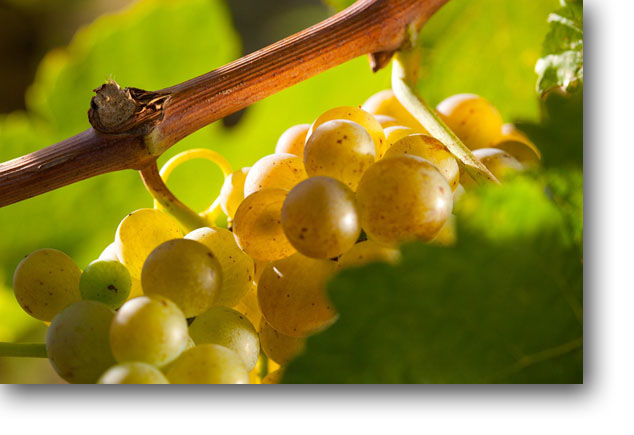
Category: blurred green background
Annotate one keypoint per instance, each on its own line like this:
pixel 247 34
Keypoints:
pixel 53 53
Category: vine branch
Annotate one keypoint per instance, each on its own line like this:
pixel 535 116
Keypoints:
pixel 375 27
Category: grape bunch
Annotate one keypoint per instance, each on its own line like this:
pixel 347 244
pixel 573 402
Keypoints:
pixel 236 304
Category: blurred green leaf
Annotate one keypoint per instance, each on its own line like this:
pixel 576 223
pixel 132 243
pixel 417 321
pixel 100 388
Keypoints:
pixel 338 5
pixel 490 310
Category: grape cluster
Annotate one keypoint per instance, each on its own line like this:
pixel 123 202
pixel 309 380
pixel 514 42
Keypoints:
pixel 235 305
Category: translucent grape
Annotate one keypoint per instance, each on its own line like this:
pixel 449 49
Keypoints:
pixel 431 149
pixel 392 135
pixel 320 217
pixel 208 364
pixel 77 342
pixel 104 281
pixel 237 267
pixel 136 289
pixel 139 233
pixel 275 171
pixel 292 140
pixel 368 251
pixel 499 162
pixel 45 282
pixel 110 253
pixel 257 226
pixel 249 306
pixel 474 120
pixel 518 145
pixel 148 329
pixel 133 373
pixel 354 114
pixel 232 191
pixel 292 295
pixel 279 347
pixel 386 103
pixel 402 198
pixel 339 149
pixel 273 377
pixel 229 328
pixel 386 121
pixel 184 271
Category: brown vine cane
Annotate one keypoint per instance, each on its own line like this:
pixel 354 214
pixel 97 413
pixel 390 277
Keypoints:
pixel 132 127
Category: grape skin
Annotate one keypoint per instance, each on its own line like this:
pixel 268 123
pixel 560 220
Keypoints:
pixel 339 149
pixel 77 342
pixel 499 162
pixel 392 135
pixel 386 103
pixel 291 302
pixel 133 373
pixel 237 267
pixel 108 282
pixel 279 347
pixel 45 282
pixel 320 218
pixel 518 145
pixel 148 329
pixel 208 364
pixel 273 377
pixel 402 198
pixel 368 251
pixel 431 149
pixel 186 272
pixel 257 226
pixel 292 140
pixel 248 306
pixel 275 171
pixel 232 191
pixel 229 328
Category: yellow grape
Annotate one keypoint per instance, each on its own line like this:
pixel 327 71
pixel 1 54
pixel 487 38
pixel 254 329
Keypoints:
pixel 320 217
pixel 232 191
pixel 229 328
pixel 499 162
pixel 517 144
pixel 292 295
pixel 139 233
pixel 292 140
pixel 110 253
pixel 402 198
pixel 394 134
pixel 457 194
pixel 184 271
pixel 279 347
pixel 248 306
pixel 257 226
pixel 386 121
pixel 133 373
pixel 275 171
pixel 148 329
pixel 237 267
pixel 77 342
pixel 45 282
pixel 135 290
pixel 474 120
pixel 273 377
pixel 447 234
pixel 386 103
pixel 431 149
pixel 339 149
pixel 354 114
pixel 208 364
pixel 368 251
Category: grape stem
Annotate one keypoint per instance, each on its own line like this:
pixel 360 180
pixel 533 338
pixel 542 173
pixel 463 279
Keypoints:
pixel 405 68
pixel 151 122
pixel 32 350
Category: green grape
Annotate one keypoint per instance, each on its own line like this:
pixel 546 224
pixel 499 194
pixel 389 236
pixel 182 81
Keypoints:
pixel 339 149
pixel 45 282
pixel 292 295
pixel 431 149
pixel 292 140
pixel 148 329
pixel 133 373
pixel 184 271
pixel 77 342
pixel 320 217
pixel 279 347
pixel 108 282
pixel 392 135
pixel 248 306
pixel 232 191
pixel 386 103
pixel 402 198
pixel 273 377
pixel 229 328
pixel 354 114
pixel 499 162
pixel 387 121
pixel 208 364
pixel 257 226
pixel 110 253
pixel 139 233
pixel 368 251
pixel 275 171
pixel 474 120
pixel 237 267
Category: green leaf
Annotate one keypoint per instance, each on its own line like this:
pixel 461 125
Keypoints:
pixel 338 5
pixel 561 64
pixel 500 307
